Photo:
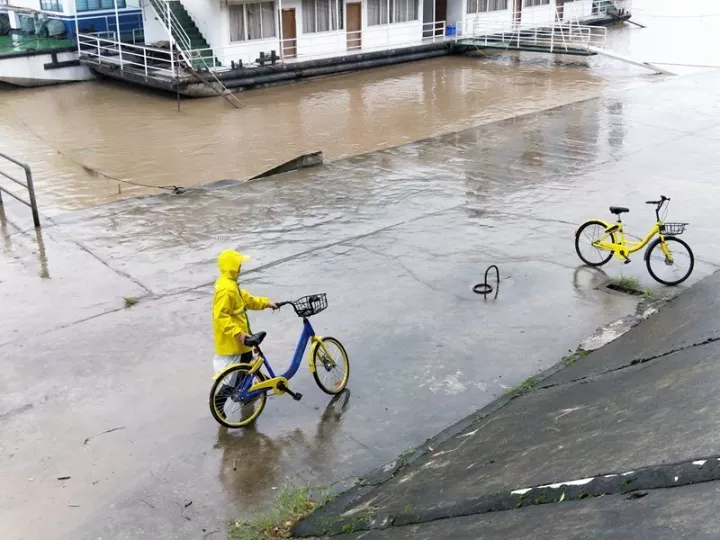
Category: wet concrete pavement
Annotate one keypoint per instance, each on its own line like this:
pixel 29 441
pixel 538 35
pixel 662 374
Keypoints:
pixel 638 421
pixel 396 238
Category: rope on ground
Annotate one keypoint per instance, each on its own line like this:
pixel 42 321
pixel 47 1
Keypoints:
pixel 175 189
pixel 648 13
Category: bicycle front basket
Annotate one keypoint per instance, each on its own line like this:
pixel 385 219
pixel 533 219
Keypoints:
pixel 308 306
pixel 673 229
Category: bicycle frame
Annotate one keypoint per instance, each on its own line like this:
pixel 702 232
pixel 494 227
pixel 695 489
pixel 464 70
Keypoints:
pixel 308 334
pixel 622 248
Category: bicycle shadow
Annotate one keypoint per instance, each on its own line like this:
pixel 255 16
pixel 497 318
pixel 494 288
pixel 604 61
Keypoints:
pixel 252 463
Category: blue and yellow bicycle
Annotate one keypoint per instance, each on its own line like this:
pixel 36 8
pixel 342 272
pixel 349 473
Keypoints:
pixel 240 391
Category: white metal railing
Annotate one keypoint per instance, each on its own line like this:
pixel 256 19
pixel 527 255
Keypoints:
pixel 326 45
pixel 552 30
pixel 153 62
pixel 557 37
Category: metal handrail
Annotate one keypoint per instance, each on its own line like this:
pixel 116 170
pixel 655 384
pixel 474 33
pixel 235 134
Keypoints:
pixel 28 184
pixel 170 22
pixel 163 61
pixel 555 35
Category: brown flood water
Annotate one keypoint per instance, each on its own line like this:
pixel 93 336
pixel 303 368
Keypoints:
pixel 81 138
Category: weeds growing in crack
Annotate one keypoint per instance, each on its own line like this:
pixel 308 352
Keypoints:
pixel 525 386
pixel 293 504
pixel 574 356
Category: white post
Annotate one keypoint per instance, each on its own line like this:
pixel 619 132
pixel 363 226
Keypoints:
pixel 119 40
pixel 145 60
pixel 77 26
pixel 172 59
pixel 280 33
pixel 387 36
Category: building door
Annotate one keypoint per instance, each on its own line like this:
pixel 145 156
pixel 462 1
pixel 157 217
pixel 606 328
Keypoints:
pixel 289 33
pixel 441 15
pixel 354 25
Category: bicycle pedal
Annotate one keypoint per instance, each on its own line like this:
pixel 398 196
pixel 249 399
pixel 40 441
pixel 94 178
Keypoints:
pixel 297 396
pixel 627 261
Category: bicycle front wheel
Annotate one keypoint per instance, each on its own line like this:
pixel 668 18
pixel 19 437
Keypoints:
pixel 332 368
pixel 226 404
pixel 673 265
pixel 587 235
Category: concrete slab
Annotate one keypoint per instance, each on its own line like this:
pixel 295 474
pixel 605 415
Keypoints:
pixel 689 319
pixel 48 280
pixel 649 414
pixel 660 515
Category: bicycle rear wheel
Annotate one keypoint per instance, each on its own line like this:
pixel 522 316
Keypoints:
pixel 672 270
pixel 332 369
pixel 589 233
pixel 226 405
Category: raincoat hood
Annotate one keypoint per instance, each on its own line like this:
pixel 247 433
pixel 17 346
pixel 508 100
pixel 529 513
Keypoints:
pixel 229 262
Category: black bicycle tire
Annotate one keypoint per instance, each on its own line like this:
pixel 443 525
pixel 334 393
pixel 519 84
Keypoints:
pixel 315 365
pixel 654 244
pixel 577 243
pixel 218 418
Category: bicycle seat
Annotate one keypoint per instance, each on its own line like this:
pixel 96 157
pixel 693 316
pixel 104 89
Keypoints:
pixel 618 210
pixel 255 339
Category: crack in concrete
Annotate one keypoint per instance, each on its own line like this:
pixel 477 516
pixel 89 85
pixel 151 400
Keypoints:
pixel 107 265
pixel 634 362
pixel 644 479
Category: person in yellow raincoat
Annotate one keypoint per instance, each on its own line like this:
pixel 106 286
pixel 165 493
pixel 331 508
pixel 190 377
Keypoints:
pixel 229 312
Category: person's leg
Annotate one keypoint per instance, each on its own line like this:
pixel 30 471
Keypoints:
pixel 220 363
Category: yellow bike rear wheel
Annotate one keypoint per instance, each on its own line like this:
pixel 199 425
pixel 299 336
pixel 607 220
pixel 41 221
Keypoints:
pixel 225 405
pixel 590 232
pixel 332 368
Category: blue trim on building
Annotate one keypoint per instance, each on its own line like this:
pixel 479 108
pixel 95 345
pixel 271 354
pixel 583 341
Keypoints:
pixel 104 21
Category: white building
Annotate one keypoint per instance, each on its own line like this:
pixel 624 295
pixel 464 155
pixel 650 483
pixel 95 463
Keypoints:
pixel 239 30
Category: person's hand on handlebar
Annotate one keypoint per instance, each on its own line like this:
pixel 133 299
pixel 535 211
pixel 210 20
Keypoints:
pixel 272 305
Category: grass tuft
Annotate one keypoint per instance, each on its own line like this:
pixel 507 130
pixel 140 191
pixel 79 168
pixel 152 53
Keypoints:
pixel 524 386
pixel 130 301
pixel 293 504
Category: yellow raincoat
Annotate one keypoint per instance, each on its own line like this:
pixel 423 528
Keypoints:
pixel 230 306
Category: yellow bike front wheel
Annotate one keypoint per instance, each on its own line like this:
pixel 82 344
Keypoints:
pixel 332 367
pixel 225 404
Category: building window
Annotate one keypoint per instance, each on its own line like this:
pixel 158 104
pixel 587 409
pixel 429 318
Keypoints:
pixel 322 15
pixel 95 5
pixel 252 21
pixel 482 6
pixel 50 5
pixel 533 3
pixel 378 11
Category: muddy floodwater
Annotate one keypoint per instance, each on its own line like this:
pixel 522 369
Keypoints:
pixel 90 143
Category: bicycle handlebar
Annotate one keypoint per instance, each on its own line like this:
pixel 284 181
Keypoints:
pixel 663 198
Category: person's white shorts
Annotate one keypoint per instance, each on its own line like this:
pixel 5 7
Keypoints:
pixel 219 362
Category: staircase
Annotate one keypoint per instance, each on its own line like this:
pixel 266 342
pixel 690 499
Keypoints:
pixel 185 32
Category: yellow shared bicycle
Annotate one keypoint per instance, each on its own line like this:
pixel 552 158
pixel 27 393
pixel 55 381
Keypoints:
pixel 669 260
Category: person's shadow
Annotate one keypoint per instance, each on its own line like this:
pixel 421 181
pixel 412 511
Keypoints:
pixel 252 465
